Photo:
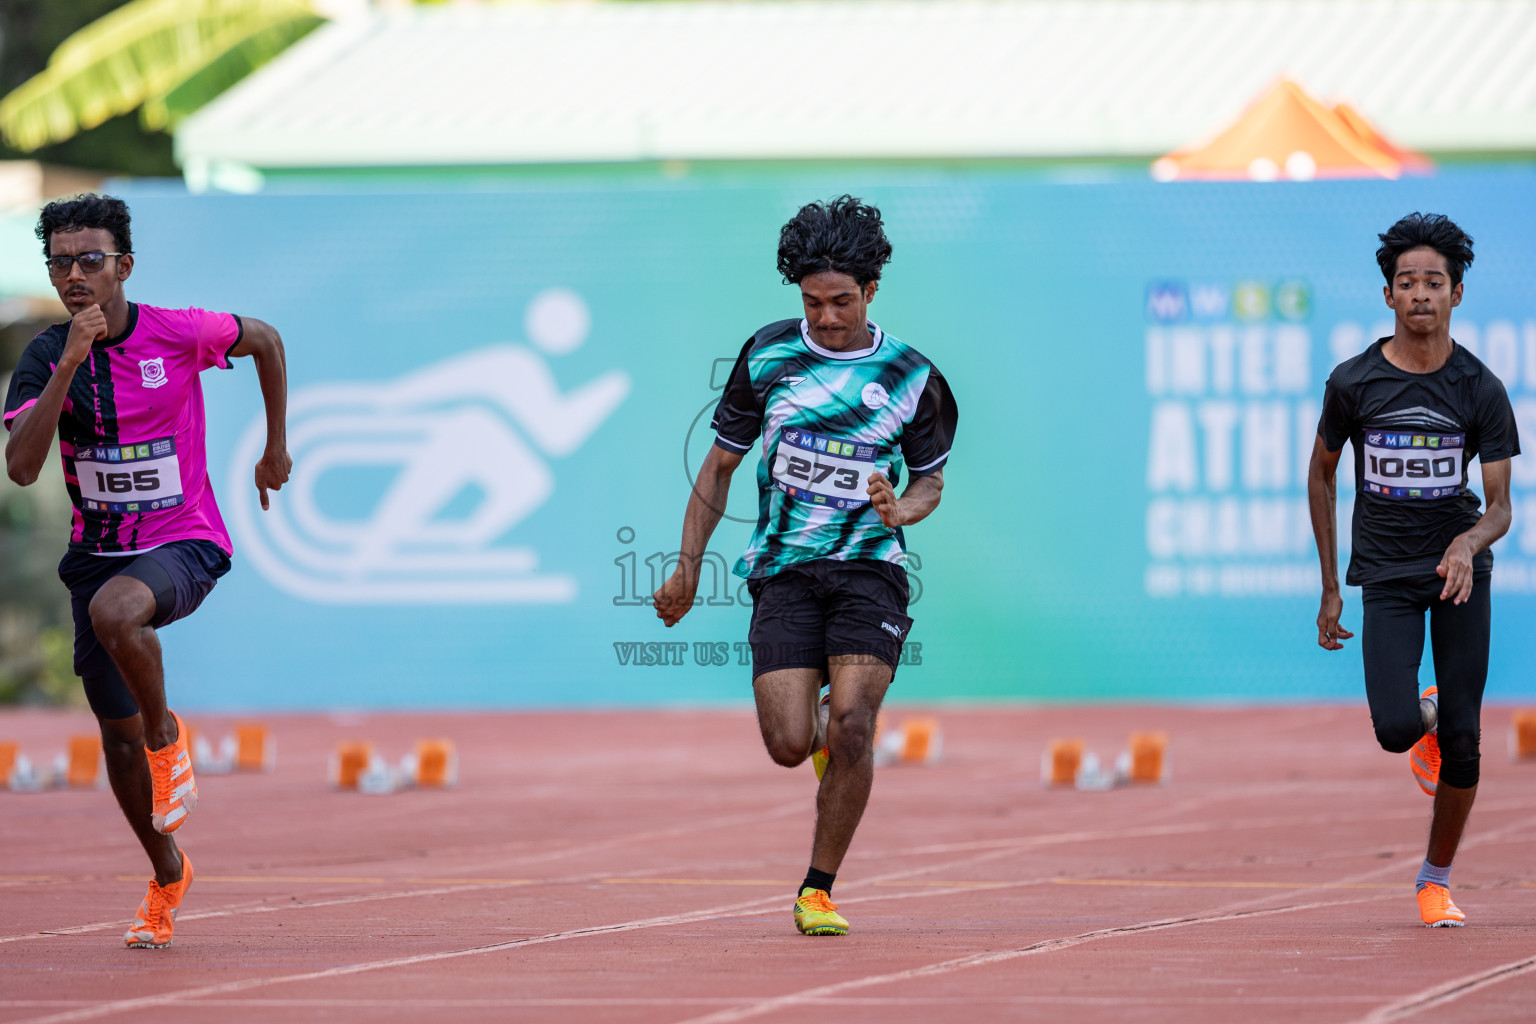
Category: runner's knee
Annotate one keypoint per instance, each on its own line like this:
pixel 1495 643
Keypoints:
pixel 787 747
pixel 122 736
pixel 116 610
pixel 1459 758
pixel 1399 733
pixel 851 734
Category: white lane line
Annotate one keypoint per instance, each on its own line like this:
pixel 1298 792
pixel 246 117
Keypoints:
pixel 1232 911
pixel 263 907
pixel 804 996
pixel 971 999
pixel 1180 829
pixel 268 906
pixel 1448 992
pixel 752 906
pixel 762 905
pixel 124 1006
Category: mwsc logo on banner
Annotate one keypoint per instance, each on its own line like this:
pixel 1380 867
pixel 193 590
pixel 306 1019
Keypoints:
pixel 463 444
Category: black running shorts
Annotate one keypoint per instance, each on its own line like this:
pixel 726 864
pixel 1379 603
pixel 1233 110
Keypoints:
pixel 180 574
pixel 810 611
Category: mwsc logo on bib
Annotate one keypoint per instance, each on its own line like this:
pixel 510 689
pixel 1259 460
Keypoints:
pixel 479 425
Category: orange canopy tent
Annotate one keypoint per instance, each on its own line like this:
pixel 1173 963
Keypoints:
pixel 1288 134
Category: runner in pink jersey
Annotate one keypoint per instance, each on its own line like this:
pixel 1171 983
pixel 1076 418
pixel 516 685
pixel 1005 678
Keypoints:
pixel 119 381
pixel 132 430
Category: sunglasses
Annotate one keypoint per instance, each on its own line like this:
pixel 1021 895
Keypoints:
pixel 90 263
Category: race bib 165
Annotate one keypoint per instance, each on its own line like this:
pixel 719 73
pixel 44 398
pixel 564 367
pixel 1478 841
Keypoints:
pixel 1423 466
pixel 141 478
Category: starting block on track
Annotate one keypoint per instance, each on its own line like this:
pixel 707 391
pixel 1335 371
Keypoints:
pixel 349 761
pixel 85 768
pixel 1067 762
pixel 1145 757
pixel 1060 762
pixel 432 764
pixel 250 748
pixel 255 749
pixel 915 741
pixel 1522 736
pixel 10 754
pixel 82 766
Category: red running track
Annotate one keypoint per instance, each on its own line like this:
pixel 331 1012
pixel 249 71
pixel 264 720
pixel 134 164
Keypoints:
pixel 638 867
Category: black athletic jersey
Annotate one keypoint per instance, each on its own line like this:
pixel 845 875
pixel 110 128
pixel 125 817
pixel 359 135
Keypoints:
pixel 824 421
pixel 1413 435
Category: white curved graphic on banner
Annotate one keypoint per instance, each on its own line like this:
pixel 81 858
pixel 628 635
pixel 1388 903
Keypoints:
pixel 453 441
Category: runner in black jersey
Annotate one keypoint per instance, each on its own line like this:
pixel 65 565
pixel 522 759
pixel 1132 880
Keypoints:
pixel 1418 407
pixel 839 409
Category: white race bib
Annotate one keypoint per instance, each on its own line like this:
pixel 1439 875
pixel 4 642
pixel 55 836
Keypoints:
pixel 130 477
pixel 1422 466
pixel 822 470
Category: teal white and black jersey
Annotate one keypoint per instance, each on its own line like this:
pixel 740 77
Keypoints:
pixel 826 421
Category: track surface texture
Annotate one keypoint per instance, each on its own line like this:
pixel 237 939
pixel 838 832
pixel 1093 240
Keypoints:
pixel 639 867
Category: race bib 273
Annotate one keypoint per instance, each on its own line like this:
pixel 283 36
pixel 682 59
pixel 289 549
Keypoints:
pixel 822 470
pixel 1423 466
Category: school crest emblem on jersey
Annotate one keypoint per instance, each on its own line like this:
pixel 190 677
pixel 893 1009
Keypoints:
pixel 152 372
pixel 874 395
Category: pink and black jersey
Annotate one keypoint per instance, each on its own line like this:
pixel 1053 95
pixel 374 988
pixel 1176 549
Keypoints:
pixel 132 429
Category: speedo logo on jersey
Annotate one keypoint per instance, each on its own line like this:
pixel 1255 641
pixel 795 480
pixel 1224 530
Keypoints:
pixel 404 491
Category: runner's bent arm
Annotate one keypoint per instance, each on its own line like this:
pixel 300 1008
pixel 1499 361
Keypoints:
pixel 32 430
pixel 264 345
pixel 706 504
pixel 919 499
pixel 1322 502
pixel 1456 566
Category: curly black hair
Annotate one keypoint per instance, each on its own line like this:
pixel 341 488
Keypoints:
pixel 1418 230
pixel 86 211
pixel 845 235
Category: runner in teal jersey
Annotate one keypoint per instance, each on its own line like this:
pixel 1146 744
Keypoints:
pixel 839 411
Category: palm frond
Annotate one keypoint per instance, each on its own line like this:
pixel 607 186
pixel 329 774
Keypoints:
pixel 165 110
pixel 142 50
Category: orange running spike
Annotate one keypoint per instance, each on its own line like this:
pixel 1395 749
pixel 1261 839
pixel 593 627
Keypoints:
pixel 1436 909
pixel 174 785
pixel 153 924
pixel 1424 758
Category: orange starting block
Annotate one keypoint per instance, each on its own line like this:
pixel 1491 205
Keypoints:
pixel 349 761
pixel 255 749
pixel 436 764
pixel 1060 762
pixel 84 769
pixel 1148 762
pixel 9 751
pixel 1522 736
pixel 915 741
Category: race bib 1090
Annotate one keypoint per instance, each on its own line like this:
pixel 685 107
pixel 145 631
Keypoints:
pixel 1414 465
pixel 140 478
pixel 822 470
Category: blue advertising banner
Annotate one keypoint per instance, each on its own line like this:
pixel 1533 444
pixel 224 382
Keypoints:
pixel 498 400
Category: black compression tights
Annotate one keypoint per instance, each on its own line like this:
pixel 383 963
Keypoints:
pixel 1393 643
